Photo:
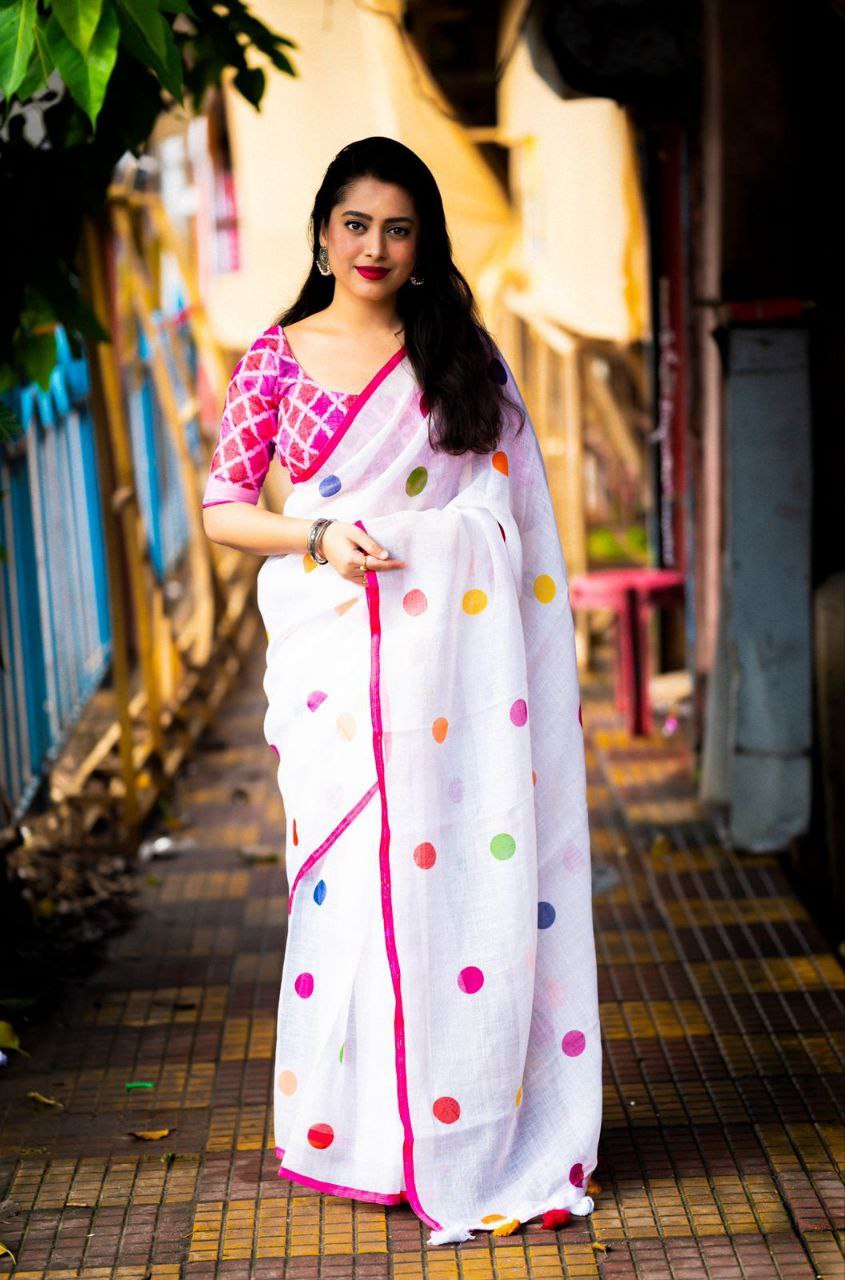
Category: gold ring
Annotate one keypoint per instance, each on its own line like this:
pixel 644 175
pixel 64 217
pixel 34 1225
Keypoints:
pixel 364 564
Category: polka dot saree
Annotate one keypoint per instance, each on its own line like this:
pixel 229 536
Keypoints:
pixel 438 1028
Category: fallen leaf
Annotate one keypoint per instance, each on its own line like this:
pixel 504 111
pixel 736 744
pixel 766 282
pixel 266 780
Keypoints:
pixel 48 1102
pixel 597 1245
pixel 5 1249
pixel 149 1135
pixel 8 1036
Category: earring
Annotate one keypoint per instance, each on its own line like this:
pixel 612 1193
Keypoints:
pixel 417 279
pixel 323 261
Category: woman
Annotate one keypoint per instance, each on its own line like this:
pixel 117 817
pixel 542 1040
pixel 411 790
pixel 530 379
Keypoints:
pixel 438 1032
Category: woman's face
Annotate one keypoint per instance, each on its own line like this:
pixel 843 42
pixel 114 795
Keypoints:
pixel 372 238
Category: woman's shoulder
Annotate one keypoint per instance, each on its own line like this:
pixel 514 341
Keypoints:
pixel 269 354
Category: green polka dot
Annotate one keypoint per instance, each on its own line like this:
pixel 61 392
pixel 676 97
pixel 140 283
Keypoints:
pixel 503 846
pixel 416 481
pixel 341 1054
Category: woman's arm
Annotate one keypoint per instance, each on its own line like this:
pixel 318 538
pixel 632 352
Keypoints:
pixel 247 527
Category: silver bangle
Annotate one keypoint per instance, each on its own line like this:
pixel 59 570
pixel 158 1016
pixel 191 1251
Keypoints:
pixel 315 538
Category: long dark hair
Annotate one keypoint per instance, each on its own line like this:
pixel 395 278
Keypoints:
pixel 452 353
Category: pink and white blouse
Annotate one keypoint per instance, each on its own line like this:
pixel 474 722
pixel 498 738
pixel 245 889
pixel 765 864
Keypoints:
pixel 272 405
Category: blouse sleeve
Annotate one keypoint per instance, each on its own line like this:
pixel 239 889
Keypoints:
pixel 248 427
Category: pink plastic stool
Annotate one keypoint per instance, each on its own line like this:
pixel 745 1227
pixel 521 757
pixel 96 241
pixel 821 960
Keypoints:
pixel 631 594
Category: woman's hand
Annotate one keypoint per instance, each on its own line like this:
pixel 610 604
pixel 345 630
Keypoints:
pixel 345 545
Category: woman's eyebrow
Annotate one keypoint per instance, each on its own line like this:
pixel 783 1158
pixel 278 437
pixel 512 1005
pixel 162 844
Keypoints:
pixel 358 214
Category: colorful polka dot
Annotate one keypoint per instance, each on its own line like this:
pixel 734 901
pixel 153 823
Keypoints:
pixel 340 609
pixel 456 790
pixel 519 712
pixel 321 1136
pixel 503 846
pixel 346 726
pixel 545 915
pixel 425 855
pixel 329 486
pixel 273 747
pixel 498 372
pixel 500 462
pixel 320 892
pixel 304 985
pixel 519 1096
pixel 287 1082
pixel 446 1110
pixel 315 699
pixel 493 1217
pixel 425 407
pixel 573 1043
pixel 544 588
pixel 576 1175
pixel 533 778
pixel 416 481
pixel 295 833
pixel 340 1055
pixel 414 602
pixel 308 563
pixel 470 979
pixel 474 600
pixel 440 728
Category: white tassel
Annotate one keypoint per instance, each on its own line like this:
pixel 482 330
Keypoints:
pixel 450 1235
pixel 584 1206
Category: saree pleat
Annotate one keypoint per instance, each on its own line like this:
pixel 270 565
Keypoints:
pixel 438 1030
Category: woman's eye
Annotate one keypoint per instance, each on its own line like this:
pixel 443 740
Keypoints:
pixel 352 224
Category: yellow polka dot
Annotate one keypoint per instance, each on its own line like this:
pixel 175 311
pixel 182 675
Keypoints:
pixel 545 588
pixel 308 563
pixel 287 1082
pixel 346 725
pixel 519 1095
pixel 493 1217
pixel 474 601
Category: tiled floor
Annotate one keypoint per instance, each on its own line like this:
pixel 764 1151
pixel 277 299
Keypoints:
pixel 722 1014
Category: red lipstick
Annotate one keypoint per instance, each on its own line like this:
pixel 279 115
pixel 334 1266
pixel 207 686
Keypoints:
pixel 372 273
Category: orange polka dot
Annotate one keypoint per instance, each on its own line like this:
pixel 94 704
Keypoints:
pixel 287 1082
pixel 440 728
pixel 474 601
pixel 500 462
pixel 493 1217
pixel 534 777
pixel 340 609
pixel 308 563
pixel 295 835
pixel 519 1095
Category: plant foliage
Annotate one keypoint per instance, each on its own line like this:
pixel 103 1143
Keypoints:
pixel 82 83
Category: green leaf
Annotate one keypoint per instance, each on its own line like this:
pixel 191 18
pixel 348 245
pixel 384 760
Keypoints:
pixel 149 23
pixel 86 78
pixel 38 71
pixel 250 82
pixel 39 357
pixel 17 25
pixel 169 70
pixel 79 19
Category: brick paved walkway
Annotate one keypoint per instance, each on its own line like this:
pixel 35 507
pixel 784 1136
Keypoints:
pixel 722 1015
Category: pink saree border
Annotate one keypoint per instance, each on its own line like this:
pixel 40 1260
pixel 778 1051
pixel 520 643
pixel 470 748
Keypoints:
pixel 330 839
pixel 336 1189
pixel 373 599
pixel 351 414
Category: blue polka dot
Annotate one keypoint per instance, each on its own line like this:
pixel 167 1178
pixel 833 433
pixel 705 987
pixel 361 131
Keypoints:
pixel 545 915
pixel 319 892
pixel 329 486
pixel 498 372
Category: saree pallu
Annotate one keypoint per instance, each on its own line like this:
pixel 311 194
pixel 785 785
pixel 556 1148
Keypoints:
pixel 438 1026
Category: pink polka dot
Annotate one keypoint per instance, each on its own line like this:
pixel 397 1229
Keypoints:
pixel 425 855
pixel 315 698
pixel 414 602
pixel 519 712
pixel 446 1110
pixel 576 1175
pixel 304 985
pixel 276 749
pixel 573 1043
pixel 321 1136
pixel 425 408
pixel 470 979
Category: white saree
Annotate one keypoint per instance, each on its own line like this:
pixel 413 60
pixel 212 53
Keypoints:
pixel 438 1026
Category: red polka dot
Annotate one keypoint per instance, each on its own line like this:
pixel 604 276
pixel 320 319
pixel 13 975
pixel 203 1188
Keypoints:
pixel 446 1110
pixel 304 985
pixel 295 835
pixel 500 462
pixel 470 979
pixel 425 855
pixel 576 1175
pixel 519 712
pixel 414 602
pixel 573 1043
pixel 425 407
pixel 321 1136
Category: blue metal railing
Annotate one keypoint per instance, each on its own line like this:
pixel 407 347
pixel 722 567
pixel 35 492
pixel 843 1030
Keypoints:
pixel 55 632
